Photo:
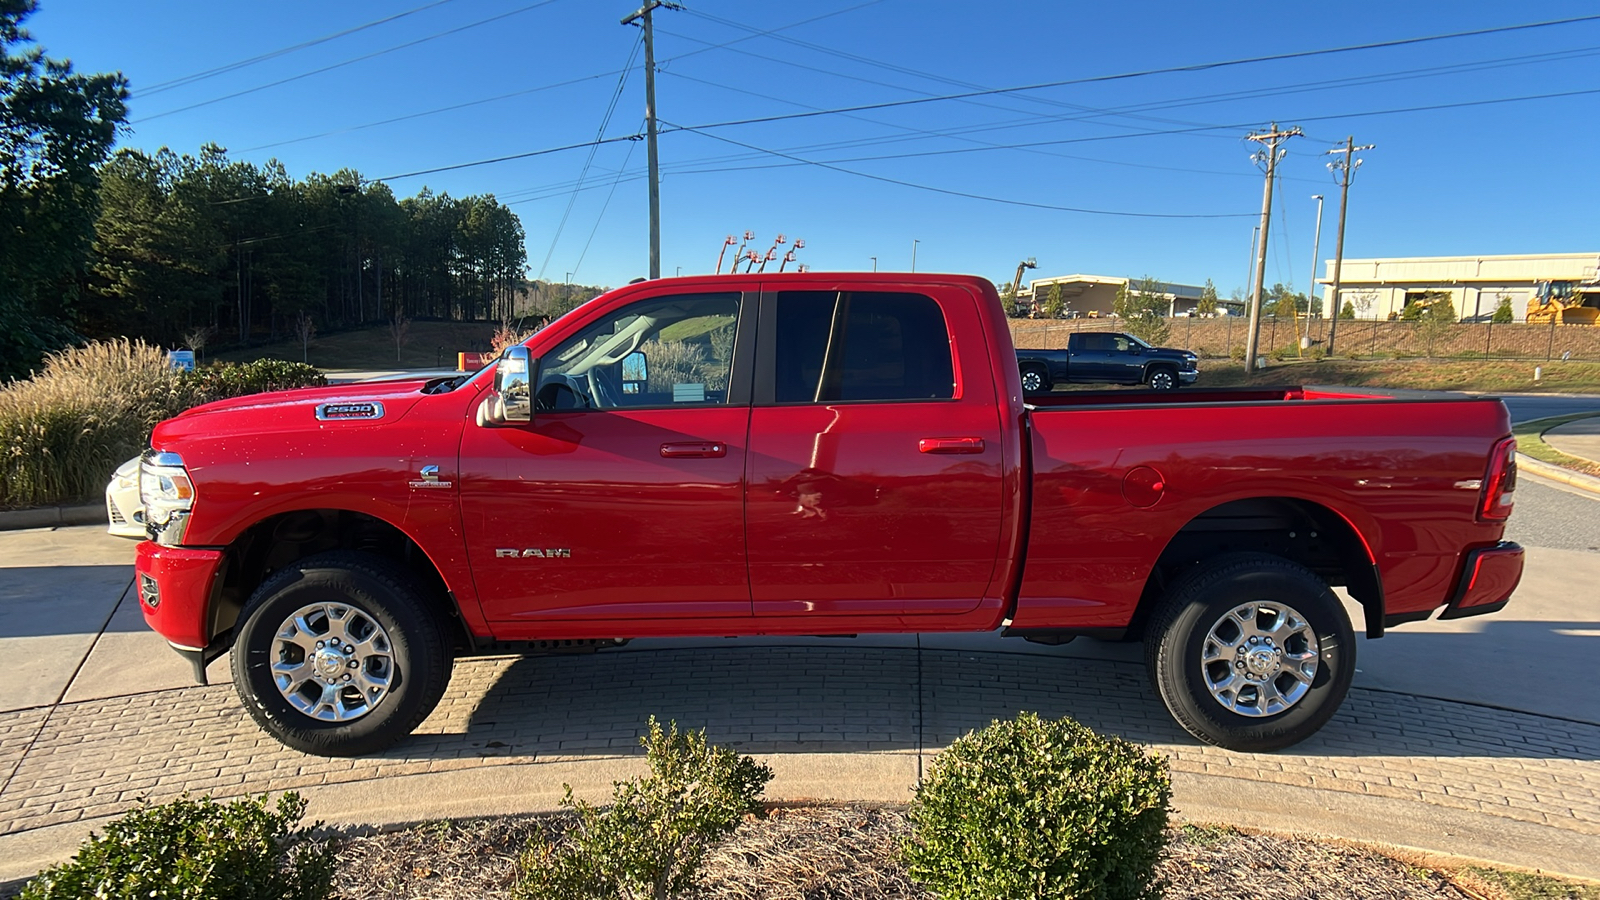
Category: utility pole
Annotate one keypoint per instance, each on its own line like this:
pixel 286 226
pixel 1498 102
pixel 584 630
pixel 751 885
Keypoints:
pixel 1316 247
pixel 914 244
pixel 650 124
pixel 1269 154
pixel 1344 170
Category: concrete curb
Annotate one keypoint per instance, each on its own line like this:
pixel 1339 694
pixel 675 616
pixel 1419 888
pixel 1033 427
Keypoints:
pixel 1397 826
pixel 53 516
pixel 1557 473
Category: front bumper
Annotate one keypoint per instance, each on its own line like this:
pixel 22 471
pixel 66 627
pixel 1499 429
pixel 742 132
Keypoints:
pixel 176 586
pixel 1487 581
pixel 1188 377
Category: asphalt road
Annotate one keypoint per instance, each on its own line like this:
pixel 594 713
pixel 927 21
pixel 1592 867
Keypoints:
pixel 1551 515
pixel 1525 406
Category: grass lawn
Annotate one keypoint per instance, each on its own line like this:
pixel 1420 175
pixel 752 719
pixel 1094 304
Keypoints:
pixel 1418 374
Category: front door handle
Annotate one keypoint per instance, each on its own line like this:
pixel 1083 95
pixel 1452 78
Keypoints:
pixel 694 450
pixel 951 445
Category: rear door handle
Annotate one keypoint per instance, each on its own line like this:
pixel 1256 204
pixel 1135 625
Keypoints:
pixel 694 449
pixel 951 445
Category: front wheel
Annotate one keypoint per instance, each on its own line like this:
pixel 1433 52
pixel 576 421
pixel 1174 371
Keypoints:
pixel 1162 379
pixel 1251 652
pixel 337 655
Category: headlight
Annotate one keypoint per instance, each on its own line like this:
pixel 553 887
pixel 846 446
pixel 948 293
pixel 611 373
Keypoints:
pixel 167 495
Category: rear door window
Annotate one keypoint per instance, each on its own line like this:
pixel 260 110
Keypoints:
pixel 843 346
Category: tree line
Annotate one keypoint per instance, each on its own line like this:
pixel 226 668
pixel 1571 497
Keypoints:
pixel 97 242
pixel 185 242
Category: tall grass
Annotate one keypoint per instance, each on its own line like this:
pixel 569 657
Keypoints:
pixel 66 429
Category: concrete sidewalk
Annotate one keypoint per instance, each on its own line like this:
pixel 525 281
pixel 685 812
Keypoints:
pixel 1474 737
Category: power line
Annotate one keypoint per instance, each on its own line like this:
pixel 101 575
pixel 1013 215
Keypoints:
pixel 603 207
pixel 185 80
pixel 954 193
pixel 916 73
pixel 422 40
pixel 559 84
pixel 583 174
pixel 1192 67
pixel 702 130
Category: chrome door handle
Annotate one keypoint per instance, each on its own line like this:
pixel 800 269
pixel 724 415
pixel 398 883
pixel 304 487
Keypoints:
pixel 694 450
pixel 950 445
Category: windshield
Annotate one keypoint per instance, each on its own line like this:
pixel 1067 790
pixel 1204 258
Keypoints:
pixel 1141 343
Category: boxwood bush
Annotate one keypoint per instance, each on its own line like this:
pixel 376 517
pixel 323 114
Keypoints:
pixel 66 429
pixel 198 850
pixel 653 838
pixel 1040 809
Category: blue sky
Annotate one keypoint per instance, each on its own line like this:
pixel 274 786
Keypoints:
pixel 1508 178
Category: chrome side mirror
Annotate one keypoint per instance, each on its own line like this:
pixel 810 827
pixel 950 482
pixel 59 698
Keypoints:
pixel 510 401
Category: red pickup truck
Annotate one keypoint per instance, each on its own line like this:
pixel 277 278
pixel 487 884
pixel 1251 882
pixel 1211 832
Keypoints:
pixel 808 454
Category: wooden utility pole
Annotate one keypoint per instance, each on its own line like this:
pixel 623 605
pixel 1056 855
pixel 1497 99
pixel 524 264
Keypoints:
pixel 643 14
pixel 1269 154
pixel 1342 169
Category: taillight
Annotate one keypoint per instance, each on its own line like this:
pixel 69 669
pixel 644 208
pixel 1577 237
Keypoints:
pixel 1499 483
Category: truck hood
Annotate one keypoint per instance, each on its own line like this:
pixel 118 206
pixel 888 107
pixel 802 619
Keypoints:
pixel 343 405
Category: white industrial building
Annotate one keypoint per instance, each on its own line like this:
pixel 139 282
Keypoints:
pixel 1093 295
pixel 1379 288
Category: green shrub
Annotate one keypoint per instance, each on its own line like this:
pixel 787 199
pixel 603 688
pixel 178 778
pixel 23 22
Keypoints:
pixel 1236 353
pixel 258 376
pixel 199 849
pixel 66 429
pixel 1040 809
pixel 653 838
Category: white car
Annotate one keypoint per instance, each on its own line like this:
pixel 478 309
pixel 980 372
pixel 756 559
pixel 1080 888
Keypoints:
pixel 123 506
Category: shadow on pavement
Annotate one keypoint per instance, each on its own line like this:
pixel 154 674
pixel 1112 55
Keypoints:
pixel 776 699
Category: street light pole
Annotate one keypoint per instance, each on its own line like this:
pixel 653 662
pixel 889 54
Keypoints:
pixel 914 244
pixel 874 264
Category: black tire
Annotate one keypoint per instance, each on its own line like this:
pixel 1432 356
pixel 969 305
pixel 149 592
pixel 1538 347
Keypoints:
pixel 1037 377
pixel 418 667
pixel 1162 378
pixel 1181 626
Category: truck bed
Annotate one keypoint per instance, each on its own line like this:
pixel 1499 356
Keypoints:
pixel 1119 477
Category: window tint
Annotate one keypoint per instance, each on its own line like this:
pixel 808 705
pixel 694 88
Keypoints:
pixel 666 351
pixel 887 346
pixel 1097 342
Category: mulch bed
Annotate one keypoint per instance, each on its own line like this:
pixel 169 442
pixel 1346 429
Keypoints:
pixel 849 853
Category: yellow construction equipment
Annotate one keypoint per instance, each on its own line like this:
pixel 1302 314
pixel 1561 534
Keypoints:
pixel 1568 310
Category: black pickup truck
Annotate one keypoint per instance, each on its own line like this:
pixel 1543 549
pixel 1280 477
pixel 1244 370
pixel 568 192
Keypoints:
pixel 1102 357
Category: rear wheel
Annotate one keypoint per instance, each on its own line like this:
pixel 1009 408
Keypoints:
pixel 1162 378
pixel 338 655
pixel 1034 380
pixel 1251 652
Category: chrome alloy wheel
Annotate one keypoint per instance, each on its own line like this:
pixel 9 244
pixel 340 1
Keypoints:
pixel 332 662
pixel 1032 381
pixel 1259 659
pixel 1163 380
